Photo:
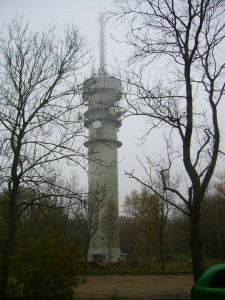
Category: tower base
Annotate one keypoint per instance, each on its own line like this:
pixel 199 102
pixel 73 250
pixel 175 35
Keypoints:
pixel 100 254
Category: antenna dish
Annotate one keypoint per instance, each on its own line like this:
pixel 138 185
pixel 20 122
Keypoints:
pixel 114 110
pixel 97 124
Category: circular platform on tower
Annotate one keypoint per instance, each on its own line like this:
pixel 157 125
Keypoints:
pixel 107 84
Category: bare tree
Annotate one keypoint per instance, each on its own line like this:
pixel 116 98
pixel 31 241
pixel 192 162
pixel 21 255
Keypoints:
pixel 150 215
pixel 160 210
pixel 181 42
pixel 39 112
pixel 88 216
pixel 131 209
pixel 160 202
pixel 109 224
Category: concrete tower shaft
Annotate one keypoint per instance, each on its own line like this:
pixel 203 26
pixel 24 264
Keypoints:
pixel 101 94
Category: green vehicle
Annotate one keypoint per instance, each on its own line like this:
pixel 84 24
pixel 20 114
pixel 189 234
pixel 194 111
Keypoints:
pixel 211 285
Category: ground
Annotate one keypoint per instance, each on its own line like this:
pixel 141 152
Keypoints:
pixel 125 287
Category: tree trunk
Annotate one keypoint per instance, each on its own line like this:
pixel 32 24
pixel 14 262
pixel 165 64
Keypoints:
pixel 8 248
pixel 162 252
pixel 86 248
pixel 196 249
pixel 86 254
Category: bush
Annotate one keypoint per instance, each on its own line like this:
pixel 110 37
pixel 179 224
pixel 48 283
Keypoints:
pixel 45 266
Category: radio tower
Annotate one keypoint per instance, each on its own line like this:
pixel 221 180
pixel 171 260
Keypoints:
pixel 101 94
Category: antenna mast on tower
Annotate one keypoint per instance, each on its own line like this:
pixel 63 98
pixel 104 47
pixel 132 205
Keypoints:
pixel 102 70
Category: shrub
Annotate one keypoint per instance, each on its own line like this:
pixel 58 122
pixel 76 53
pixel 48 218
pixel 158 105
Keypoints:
pixel 45 266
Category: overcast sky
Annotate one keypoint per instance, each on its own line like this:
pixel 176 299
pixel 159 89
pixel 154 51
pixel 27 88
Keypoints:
pixel 85 15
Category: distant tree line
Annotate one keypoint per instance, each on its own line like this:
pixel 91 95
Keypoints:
pixel 143 215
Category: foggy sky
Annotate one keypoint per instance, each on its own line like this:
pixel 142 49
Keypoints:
pixel 85 15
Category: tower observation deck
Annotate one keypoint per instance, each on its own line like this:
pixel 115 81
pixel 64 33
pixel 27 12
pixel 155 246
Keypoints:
pixel 101 94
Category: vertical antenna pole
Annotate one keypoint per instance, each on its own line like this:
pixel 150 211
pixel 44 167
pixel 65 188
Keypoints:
pixel 102 44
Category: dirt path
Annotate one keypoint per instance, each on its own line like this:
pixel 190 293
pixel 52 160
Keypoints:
pixel 106 287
